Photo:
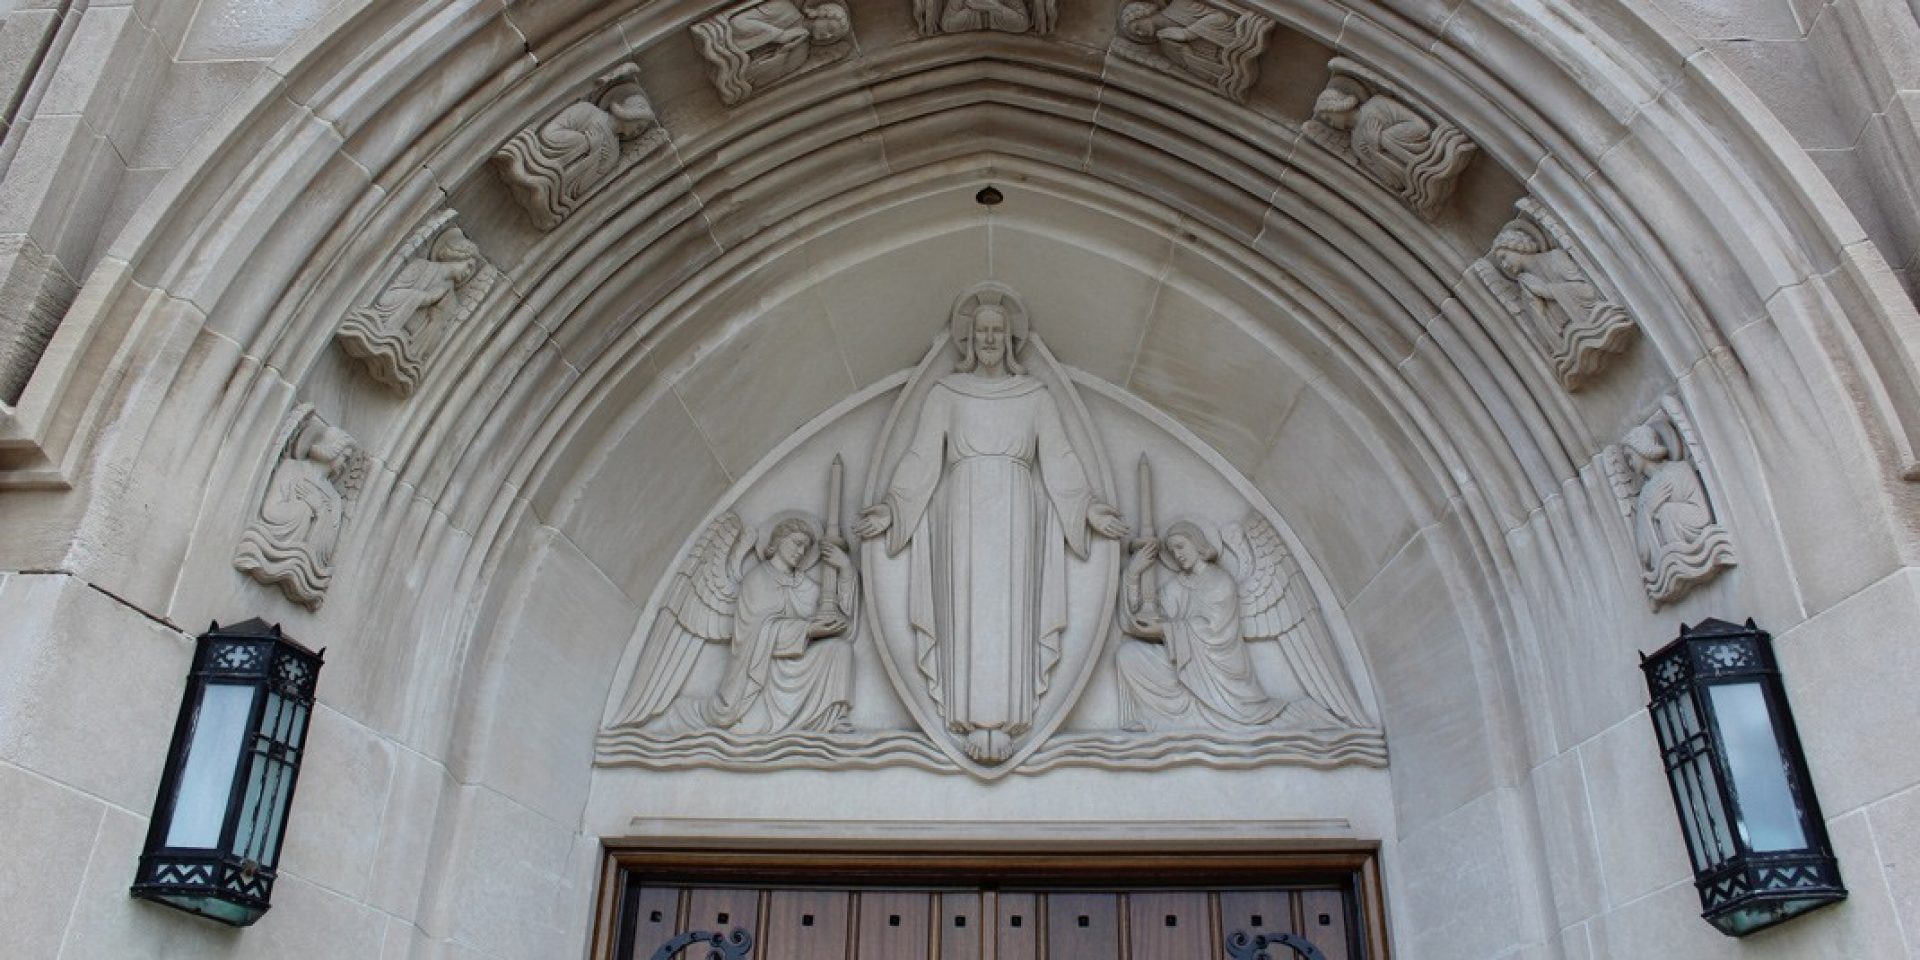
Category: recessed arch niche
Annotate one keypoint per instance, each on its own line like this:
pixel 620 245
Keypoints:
pixel 772 259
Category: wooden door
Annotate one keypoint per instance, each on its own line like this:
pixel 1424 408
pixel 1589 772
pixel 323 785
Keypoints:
pixel 800 923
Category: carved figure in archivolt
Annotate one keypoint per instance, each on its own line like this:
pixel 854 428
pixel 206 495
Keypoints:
pixel 1655 472
pixel 1213 45
pixel 440 280
pixel 291 539
pixel 992 496
pixel 934 17
pixel 554 166
pixel 1367 120
pixel 753 46
pixel 790 656
pixel 1192 669
pixel 1536 270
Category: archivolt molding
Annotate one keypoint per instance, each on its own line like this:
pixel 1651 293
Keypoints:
pixel 390 111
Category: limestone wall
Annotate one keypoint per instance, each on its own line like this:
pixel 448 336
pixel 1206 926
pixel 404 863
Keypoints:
pixel 194 196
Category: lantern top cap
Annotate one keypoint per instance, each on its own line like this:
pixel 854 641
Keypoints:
pixel 1711 627
pixel 257 629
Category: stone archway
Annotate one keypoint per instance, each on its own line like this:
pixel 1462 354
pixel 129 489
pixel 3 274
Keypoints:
pixel 637 348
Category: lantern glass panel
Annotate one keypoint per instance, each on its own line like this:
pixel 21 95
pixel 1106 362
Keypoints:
pixel 1769 815
pixel 269 781
pixel 219 733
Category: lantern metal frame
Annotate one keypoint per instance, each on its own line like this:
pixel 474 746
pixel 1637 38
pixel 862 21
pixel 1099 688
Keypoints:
pixel 1745 886
pixel 231 880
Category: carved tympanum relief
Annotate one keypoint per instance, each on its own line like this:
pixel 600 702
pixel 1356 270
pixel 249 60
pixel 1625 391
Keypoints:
pixel 1655 471
pixel 990 576
pixel 784 604
pixel 554 166
pixel 1538 272
pixel 1191 668
pixel 291 539
pixel 1215 45
pixel 935 17
pixel 755 45
pixel 1374 125
pixel 434 282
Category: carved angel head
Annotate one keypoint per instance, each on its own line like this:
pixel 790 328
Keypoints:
pixel 1516 239
pixel 828 23
pixel 793 538
pixel 1337 104
pixel 1140 21
pixel 1188 546
pixel 1645 444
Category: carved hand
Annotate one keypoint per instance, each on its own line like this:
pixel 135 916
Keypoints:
pixel 1143 556
pixel 826 625
pixel 1106 521
pixel 835 555
pixel 874 521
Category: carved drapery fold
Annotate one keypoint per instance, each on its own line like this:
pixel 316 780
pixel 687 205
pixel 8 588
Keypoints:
pixel 936 17
pixel 434 282
pixel 1213 45
pixel 293 535
pixel 1655 471
pixel 554 166
pixel 753 46
pixel 1370 122
pixel 1542 277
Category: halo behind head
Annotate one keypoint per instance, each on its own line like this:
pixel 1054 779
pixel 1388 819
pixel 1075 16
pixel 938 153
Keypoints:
pixel 967 306
pixel 784 522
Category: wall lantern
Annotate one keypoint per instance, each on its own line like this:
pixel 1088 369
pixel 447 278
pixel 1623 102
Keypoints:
pixel 215 838
pixel 1740 784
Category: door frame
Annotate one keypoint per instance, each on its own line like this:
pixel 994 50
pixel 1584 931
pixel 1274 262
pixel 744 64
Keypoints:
pixel 1015 858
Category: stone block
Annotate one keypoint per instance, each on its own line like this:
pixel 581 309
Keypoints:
pixel 1638 832
pixel 1840 669
pixel 556 652
pixel 1416 645
pixel 1571 855
pixel 248 29
pixel 1213 367
pixel 194 94
pixel 1319 475
pixel 633 547
pixel 402 864
pixel 40 877
pixel 500 874
pixel 887 307
pixel 1456 887
pixel 765 378
pixel 89 689
pixel 335 824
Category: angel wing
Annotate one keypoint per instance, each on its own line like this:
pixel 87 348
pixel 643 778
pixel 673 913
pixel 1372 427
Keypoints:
pixel 1505 290
pixel 1623 478
pixel 698 609
pixel 1684 441
pixel 1276 602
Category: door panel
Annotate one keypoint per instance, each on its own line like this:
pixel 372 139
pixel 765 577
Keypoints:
pixel 806 925
pixel 894 925
pixel 1084 926
pixel 960 926
pixel 1169 926
pixel 802 923
pixel 1018 930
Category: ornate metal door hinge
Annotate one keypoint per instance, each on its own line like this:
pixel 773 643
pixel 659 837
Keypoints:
pixel 1241 946
pixel 724 946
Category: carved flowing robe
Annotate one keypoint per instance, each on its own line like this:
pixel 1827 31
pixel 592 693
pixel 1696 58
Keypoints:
pixel 1009 16
pixel 409 308
pixel 1671 512
pixel 1203 676
pixel 1205 33
pixel 991 496
pixel 777 680
pixel 291 541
